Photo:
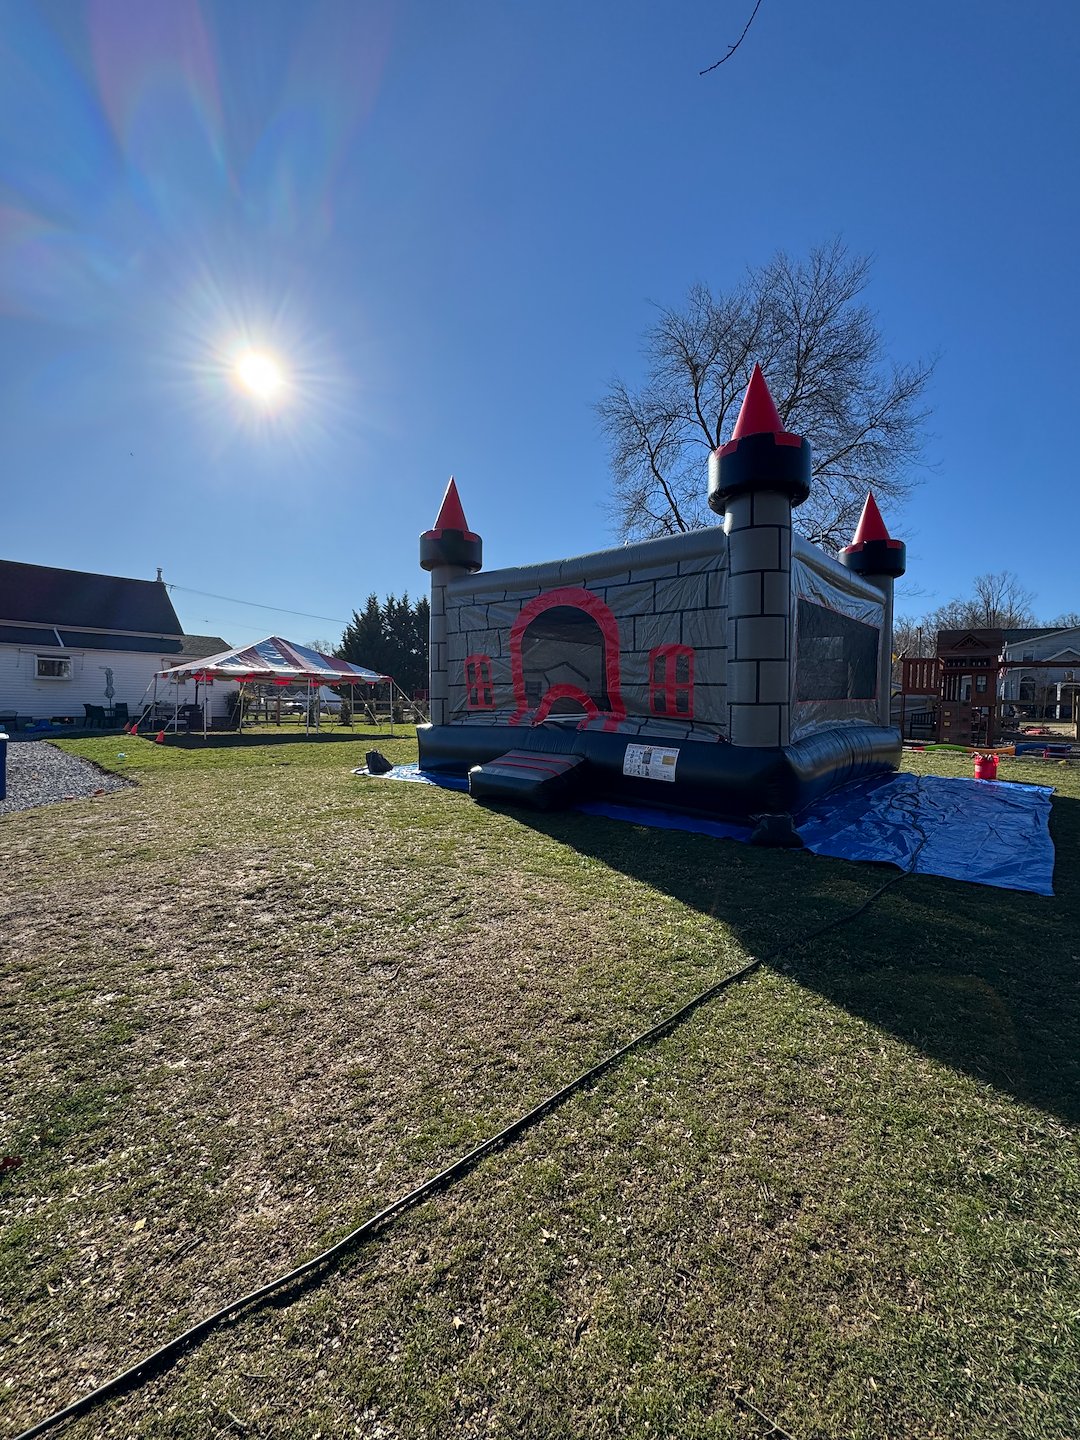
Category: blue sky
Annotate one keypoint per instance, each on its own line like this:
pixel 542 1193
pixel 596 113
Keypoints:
pixel 450 220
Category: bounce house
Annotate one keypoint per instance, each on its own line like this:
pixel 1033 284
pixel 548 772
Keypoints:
pixel 736 671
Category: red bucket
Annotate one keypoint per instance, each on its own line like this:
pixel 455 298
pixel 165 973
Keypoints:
pixel 986 767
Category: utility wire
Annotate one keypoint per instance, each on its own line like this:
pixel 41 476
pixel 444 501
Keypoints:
pixel 255 605
pixel 169 1352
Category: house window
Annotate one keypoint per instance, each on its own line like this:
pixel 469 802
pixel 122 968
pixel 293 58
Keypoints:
pixel 980 684
pixel 479 692
pixel 54 667
pixel 671 681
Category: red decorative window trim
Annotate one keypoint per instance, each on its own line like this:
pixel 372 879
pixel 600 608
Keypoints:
pixel 609 628
pixel 479 691
pixel 671 681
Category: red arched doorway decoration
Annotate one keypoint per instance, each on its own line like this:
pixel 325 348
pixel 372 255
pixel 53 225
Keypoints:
pixel 565 692
pixel 576 598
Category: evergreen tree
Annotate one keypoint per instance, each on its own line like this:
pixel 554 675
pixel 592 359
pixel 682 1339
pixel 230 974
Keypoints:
pixel 392 638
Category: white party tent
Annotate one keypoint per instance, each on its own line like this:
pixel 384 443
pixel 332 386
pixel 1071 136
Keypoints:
pixel 272 661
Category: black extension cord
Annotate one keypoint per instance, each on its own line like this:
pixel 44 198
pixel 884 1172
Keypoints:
pixel 171 1350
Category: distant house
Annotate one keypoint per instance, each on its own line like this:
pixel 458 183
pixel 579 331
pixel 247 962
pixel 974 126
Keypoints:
pixel 961 695
pixel 970 659
pixel 72 642
pixel 1049 689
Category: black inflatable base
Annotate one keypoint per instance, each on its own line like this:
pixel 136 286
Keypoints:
pixel 522 777
pixel 731 781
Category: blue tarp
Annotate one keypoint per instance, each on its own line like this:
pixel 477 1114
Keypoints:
pixel 990 832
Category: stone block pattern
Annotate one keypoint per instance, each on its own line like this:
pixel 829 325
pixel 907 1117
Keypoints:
pixel 758 528
pixel 682 601
pixel 439 657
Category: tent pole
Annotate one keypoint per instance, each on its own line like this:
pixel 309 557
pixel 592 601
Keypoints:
pixel 144 705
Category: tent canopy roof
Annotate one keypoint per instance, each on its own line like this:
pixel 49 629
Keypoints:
pixel 274 660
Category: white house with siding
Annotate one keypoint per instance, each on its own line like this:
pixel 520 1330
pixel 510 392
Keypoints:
pixel 1050 689
pixel 77 647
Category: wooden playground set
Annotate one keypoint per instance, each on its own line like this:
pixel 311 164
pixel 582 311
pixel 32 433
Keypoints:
pixel 954 699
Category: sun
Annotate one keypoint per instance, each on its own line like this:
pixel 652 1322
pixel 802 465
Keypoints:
pixel 260 375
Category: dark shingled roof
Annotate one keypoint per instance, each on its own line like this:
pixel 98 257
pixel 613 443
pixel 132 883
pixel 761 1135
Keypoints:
pixel 183 647
pixel 39 593
pixel 53 639
pixel 198 647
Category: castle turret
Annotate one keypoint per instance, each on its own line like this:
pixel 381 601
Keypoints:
pixel 450 548
pixel 881 561
pixel 755 481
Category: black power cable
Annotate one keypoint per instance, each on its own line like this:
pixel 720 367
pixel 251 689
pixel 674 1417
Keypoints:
pixel 254 604
pixel 171 1350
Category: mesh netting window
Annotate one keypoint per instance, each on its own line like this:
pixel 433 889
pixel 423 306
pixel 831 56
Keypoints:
pixel 837 657
pixel 565 646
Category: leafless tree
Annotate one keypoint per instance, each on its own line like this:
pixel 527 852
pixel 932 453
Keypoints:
pixel 997 601
pixel 912 638
pixel 823 357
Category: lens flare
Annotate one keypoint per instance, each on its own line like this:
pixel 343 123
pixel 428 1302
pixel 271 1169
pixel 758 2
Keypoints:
pixel 260 375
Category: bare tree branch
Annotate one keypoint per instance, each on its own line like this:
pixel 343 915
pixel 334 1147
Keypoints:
pixel 733 48
pixel 998 601
pixel 822 353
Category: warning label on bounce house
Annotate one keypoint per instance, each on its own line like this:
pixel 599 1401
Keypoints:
pixel 650 762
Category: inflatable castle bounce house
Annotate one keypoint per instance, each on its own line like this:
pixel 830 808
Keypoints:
pixel 735 672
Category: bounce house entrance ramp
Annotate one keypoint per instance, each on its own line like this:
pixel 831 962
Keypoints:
pixel 525 777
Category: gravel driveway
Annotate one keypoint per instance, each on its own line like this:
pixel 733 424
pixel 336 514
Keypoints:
pixel 40 774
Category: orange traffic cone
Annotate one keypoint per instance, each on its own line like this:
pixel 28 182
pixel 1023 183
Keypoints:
pixel 159 738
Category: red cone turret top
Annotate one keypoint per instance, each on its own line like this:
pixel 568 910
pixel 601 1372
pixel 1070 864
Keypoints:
pixel 761 455
pixel 451 515
pixel 873 552
pixel 450 541
pixel 759 415
pixel 871 527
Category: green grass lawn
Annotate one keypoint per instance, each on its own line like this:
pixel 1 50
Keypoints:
pixel 253 999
